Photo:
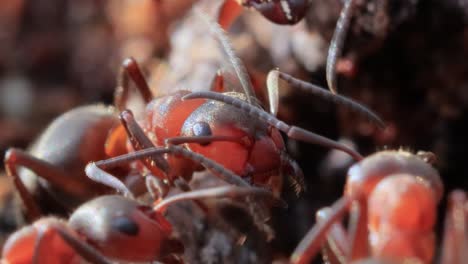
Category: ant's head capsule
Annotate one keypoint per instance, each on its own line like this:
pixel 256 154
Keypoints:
pixel 363 176
pixel 256 148
pixel 122 228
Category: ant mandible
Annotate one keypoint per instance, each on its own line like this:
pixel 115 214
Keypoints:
pixel 121 229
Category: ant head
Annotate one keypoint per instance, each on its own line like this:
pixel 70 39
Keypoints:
pixel 21 246
pixel 363 176
pixel 280 11
pixel 113 224
pixel 257 148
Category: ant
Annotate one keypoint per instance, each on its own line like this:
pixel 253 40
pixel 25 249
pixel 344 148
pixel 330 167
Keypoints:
pixel 54 181
pixel 56 161
pixel 392 197
pixel 256 150
pixel 121 229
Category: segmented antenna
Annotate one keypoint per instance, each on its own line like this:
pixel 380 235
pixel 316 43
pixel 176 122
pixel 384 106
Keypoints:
pixel 334 98
pixel 292 131
pixel 224 173
pixel 223 192
pixel 237 64
pixel 336 44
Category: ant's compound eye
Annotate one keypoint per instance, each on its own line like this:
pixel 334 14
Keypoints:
pixel 201 129
pixel 125 225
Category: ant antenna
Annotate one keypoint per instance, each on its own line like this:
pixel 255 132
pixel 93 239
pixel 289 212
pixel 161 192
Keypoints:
pixel 336 44
pixel 237 64
pixel 222 192
pixel 293 132
pixel 222 172
pixel 334 98
pixel 98 175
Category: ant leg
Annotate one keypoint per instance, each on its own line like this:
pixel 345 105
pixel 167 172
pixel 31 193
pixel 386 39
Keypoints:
pixel 293 132
pixel 84 250
pixel 183 186
pixel 455 239
pixel 140 141
pixel 11 161
pixel 337 247
pixel 219 192
pixel 130 69
pixel 99 175
pixel 217 85
pixel 53 175
pixel 358 230
pixel 336 44
pixel 228 12
pixel 331 97
pixel 311 243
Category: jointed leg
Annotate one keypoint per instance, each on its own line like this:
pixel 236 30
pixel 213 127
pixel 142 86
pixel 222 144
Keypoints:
pixel 130 69
pixel 310 245
pixel 336 250
pixel 358 230
pixel 47 171
pixel 140 141
pixel 455 241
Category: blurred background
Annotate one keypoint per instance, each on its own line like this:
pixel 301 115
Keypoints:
pixel 406 60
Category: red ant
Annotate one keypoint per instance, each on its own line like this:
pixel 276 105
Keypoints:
pixel 255 149
pixel 56 161
pixel 392 197
pixel 395 192
pixel 111 227
pixel 55 180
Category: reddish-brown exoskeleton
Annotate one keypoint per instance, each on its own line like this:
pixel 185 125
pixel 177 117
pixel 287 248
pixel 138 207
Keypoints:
pixel 110 227
pixel 220 132
pixel 55 163
pixel 283 12
pixel 392 197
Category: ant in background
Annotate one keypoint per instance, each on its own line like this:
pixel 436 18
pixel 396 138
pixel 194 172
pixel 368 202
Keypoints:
pixel 392 198
pixel 121 229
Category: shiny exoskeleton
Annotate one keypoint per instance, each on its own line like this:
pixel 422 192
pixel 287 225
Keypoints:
pixel 53 178
pixel 107 228
pixel 392 197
